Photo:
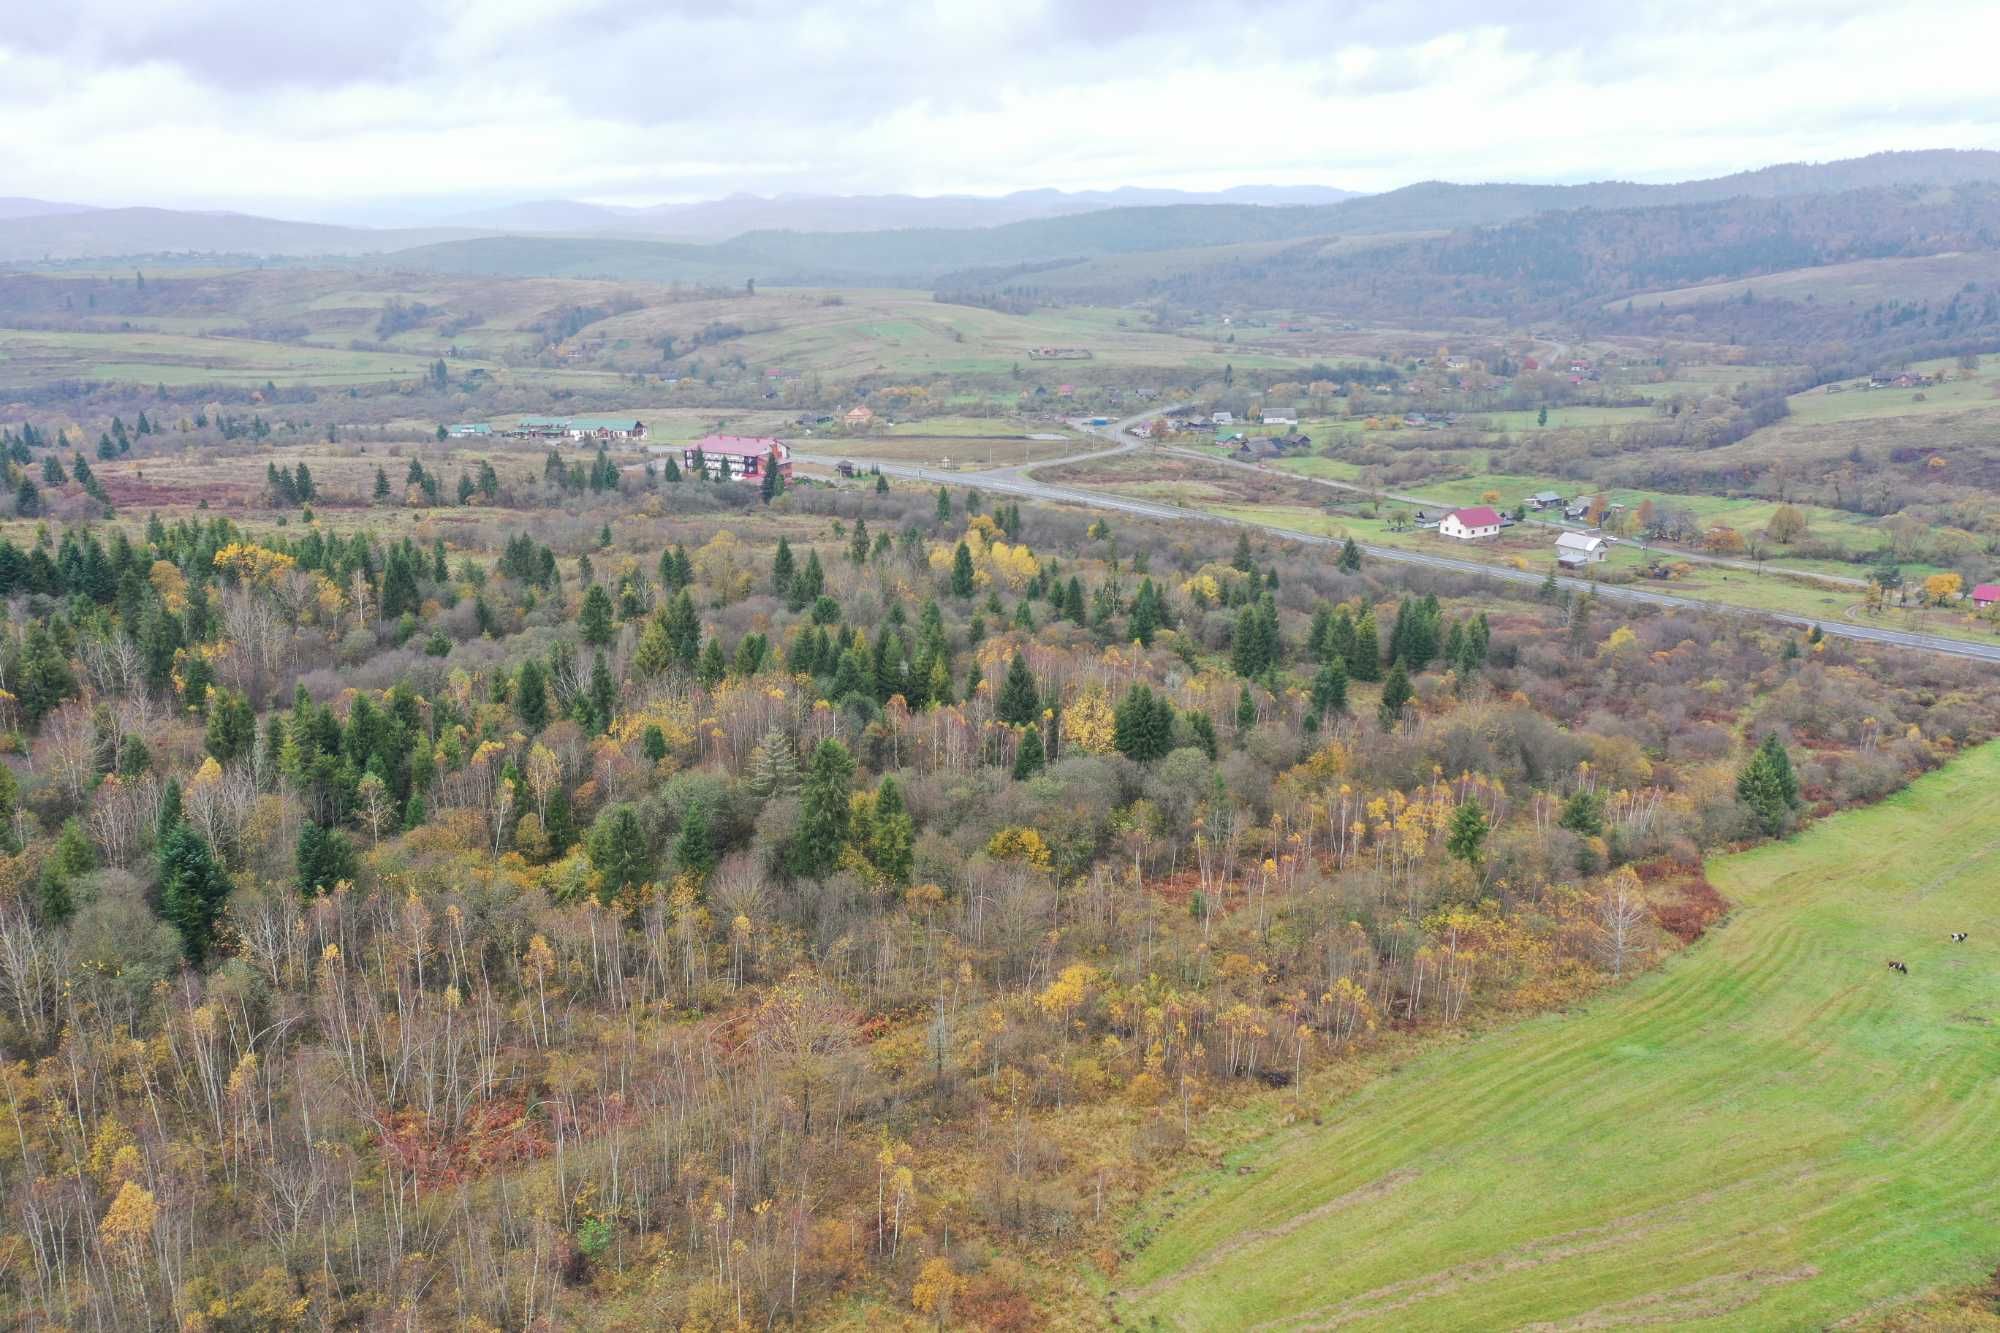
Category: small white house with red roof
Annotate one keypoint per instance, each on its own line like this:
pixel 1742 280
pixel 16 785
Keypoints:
pixel 1470 524
pixel 1985 594
pixel 739 457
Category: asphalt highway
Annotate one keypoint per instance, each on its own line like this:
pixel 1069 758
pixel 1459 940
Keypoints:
pixel 1018 481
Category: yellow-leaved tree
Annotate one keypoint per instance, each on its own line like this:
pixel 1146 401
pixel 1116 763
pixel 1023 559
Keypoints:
pixel 1089 724
pixel 258 566
pixel 938 1285
pixel 1942 588
pixel 128 1222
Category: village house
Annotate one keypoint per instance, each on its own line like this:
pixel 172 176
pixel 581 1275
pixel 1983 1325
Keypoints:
pixel 1223 419
pixel 739 457
pixel 1985 595
pixel 605 428
pixel 1470 524
pixel 1545 500
pixel 859 415
pixel 1577 549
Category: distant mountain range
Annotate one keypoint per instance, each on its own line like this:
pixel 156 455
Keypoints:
pixel 13 206
pixel 904 238
pixel 719 219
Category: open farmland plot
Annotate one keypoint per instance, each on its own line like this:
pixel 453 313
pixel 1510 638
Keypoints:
pixel 1863 282
pixel 1772 1131
pixel 36 356
pixel 343 476
pixel 893 332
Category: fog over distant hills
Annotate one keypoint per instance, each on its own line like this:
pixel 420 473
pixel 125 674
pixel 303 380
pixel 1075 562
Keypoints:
pixel 931 234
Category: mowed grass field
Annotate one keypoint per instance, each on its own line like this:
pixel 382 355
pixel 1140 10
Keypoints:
pixel 1771 1131
pixel 899 332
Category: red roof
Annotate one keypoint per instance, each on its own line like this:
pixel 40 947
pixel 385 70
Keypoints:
pixel 740 446
pixel 1986 592
pixel 1479 516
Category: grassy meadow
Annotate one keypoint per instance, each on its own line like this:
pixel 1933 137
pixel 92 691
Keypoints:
pixel 1771 1131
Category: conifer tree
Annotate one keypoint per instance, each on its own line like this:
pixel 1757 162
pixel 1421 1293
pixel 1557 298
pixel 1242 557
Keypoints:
pixel 602 697
pixel 784 568
pixel 1329 688
pixel 594 622
pixel 1020 699
pixel 712 666
pixel 1467 833
pixel 1030 758
pixel 531 696
pixel 774 768
pixel 1364 661
pixel 961 571
pixel 822 830
pixel 1769 786
pixel 655 652
pixel 892 834
pixel 618 852
pixel 192 890
pixel 1396 695
pixel 694 848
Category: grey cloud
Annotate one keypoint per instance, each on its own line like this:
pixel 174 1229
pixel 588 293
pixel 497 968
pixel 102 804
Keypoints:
pixel 236 44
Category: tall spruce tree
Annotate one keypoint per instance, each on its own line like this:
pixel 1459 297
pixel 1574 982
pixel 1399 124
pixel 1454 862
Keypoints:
pixel 1020 699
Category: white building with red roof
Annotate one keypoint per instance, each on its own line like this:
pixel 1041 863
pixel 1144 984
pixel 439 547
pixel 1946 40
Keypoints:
pixel 1470 524
pixel 739 457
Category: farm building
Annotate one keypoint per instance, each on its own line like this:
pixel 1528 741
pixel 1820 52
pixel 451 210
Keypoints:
pixel 1546 500
pixel 468 430
pixel 606 428
pixel 740 457
pixel 1985 594
pixel 1577 549
pixel 579 428
pixel 1469 524
pixel 541 428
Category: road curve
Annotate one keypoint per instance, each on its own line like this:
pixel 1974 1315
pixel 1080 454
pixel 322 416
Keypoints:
pixel 1009 482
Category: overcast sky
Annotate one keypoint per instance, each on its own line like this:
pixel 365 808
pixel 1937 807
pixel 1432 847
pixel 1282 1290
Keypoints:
pixel 324 107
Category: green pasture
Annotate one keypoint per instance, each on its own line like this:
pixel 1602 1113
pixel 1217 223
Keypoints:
pixel 1771 1131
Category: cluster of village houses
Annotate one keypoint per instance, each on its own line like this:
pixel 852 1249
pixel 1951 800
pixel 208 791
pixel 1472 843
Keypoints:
pixel 751 457
pixel 1574 550
pixel 724 457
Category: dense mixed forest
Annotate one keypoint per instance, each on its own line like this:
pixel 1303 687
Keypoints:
pixel 652 902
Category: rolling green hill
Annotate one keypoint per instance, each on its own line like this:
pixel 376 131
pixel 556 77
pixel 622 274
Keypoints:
pixel 1773 1131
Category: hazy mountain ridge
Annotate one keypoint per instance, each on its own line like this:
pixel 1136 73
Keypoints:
pixel 720 219
pixel 114 232
pixel 17 206
pixel 560 244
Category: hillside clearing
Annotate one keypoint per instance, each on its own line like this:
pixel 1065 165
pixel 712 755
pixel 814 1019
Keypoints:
pixel 1771 1131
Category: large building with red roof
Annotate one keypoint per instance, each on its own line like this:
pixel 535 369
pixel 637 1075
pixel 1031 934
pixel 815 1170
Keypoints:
pixel 739 457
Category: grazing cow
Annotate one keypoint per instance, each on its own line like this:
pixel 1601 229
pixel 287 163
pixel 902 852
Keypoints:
pixel 1958 937
pixel 1895 966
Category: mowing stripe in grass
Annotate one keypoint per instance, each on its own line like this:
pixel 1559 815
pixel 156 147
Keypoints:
pixel 1770 1131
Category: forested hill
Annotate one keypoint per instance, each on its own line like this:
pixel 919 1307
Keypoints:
pixel 1554 261
pixel 1521 226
